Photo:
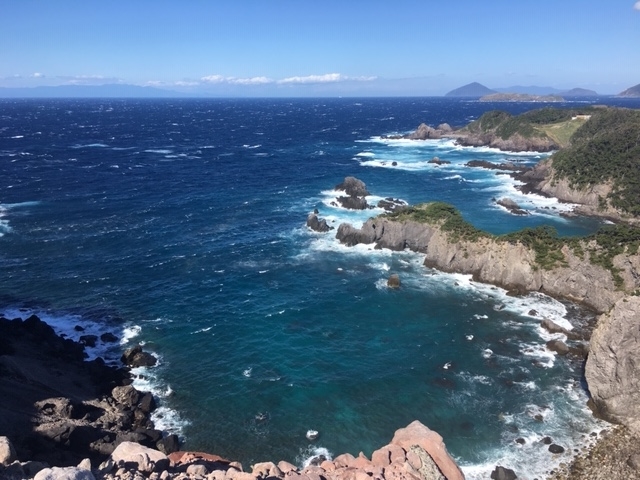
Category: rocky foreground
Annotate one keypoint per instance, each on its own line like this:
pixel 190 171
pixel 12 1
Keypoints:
pixel 63 418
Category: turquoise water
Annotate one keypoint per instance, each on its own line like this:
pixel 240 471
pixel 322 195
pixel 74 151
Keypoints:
pixel 181 224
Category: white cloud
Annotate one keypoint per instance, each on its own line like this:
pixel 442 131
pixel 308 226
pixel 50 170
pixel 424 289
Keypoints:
pixel 236 81
pixel 37 75
pixel 326 78
pixel 185 83
pixel 213 79
pixel 637 6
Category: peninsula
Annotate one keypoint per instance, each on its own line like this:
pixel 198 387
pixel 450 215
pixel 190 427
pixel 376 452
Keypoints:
pixel 596 166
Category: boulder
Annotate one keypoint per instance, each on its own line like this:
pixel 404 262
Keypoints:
pixel 502 473
pixel 89 340
pixel 169 444
pixel 353 203
pixel 353 187
pixel 108 337
pixel 126 396
pixel 145 459
pixel 136 357
pixel 512 206
pixel 554 448
pixel 317 224
pixel 438 161
pixel 423 132
pixel 418 434
pixel 393 281
pixel 612 372
pixel 7 452
pixel 81 472
pixel 558 346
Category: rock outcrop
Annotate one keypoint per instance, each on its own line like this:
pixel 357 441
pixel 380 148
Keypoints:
pixel 356 191
pixel 317 224
pixel 514 143
pixel 509 265
pixel 613 365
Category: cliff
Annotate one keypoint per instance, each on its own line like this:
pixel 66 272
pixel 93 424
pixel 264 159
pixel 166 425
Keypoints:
pixel 602 271
pixel 501 261
pixel 632 92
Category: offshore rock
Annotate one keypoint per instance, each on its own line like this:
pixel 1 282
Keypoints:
pixel 136 357
pixel 502 473
pixel 353 187
pixel 393 281
pixel 512 206
pixel 613 365
pixel 424 132
pixel 353 203
pixel 317 224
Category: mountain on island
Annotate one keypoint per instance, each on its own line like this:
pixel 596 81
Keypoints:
pixel 631 92
pixel 474 89
pixel 529 90
pixel 88 91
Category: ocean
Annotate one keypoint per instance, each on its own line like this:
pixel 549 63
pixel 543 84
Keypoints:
pixel 180 225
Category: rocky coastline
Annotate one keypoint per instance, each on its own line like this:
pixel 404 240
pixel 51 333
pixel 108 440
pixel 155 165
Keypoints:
pixel 613 351
pixel 65 418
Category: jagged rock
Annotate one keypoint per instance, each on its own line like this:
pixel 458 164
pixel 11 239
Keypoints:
pixel 143 458
pixel 445 128
pixel 350 235
pixel 393 281
pixel 7 452
pixel 418 434
pixel 558 346
pixel 423 132
pixel 611 370
pixel 512 206
pixel 169 444
pixel 437 161
pixel 89 340
pixel 136 357
pixel 353 187
pixel 502 473
pixel 392 204
pixel 126 396
pixel 59 407
pixel 353 203
pixel 554 448
pixel 317 224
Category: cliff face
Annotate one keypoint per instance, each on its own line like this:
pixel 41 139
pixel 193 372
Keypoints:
pixel 509 265
pixel 612 368
pixel 514 143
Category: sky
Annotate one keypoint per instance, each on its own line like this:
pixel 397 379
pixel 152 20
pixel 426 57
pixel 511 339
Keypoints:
pixel 328 47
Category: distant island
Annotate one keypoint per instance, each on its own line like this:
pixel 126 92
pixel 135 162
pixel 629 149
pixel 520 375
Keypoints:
pixel 520 97
pixel 477 90
pixel 474 89
pixel 633 92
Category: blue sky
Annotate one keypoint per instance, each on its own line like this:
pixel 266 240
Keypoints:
pixel 329 47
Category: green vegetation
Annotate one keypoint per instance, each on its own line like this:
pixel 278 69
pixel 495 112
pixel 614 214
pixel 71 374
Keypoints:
pixel 606 149
pixel 556 124
pixel 601 247
pixel 439 213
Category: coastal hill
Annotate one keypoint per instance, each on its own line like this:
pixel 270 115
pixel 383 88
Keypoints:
pixel 539 130
pixel 579 92
pixel 474 89
pixel 633 92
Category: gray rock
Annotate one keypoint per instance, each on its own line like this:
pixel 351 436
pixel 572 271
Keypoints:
pixel 7 452
pixel 612 372
pixel 502 473
pixel 140 457
pixel 512 206
pixel 317 224
pixel 634 461
pixel 423 132
pixel 135 357
pixel 353 203
pixel 353 187
pixel 108 337
pixel 197 470
pixel 126 396
pixel 558 346
pixel 66 473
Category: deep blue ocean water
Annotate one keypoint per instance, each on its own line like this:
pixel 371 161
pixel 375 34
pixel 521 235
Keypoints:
pixel 181 224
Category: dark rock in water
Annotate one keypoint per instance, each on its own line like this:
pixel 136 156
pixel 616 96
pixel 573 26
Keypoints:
pixel 502 473
pixel 394 164
pixel 135 357
pixel 350 236
pixel 510 167
pixel 521 441
pixel 553 448
pixel 353 203
pixel 317 460
pixel 437 161
pixel 533 313
pixel 317 224
pixel 558 346
pixel 169 444
pixel 538 418
pixel 108 338
pixel 78 328
pixel 353 187
pixel 89 340
pixel 392 204
pixel 512 206
pixel 546 441
pixel 393 281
